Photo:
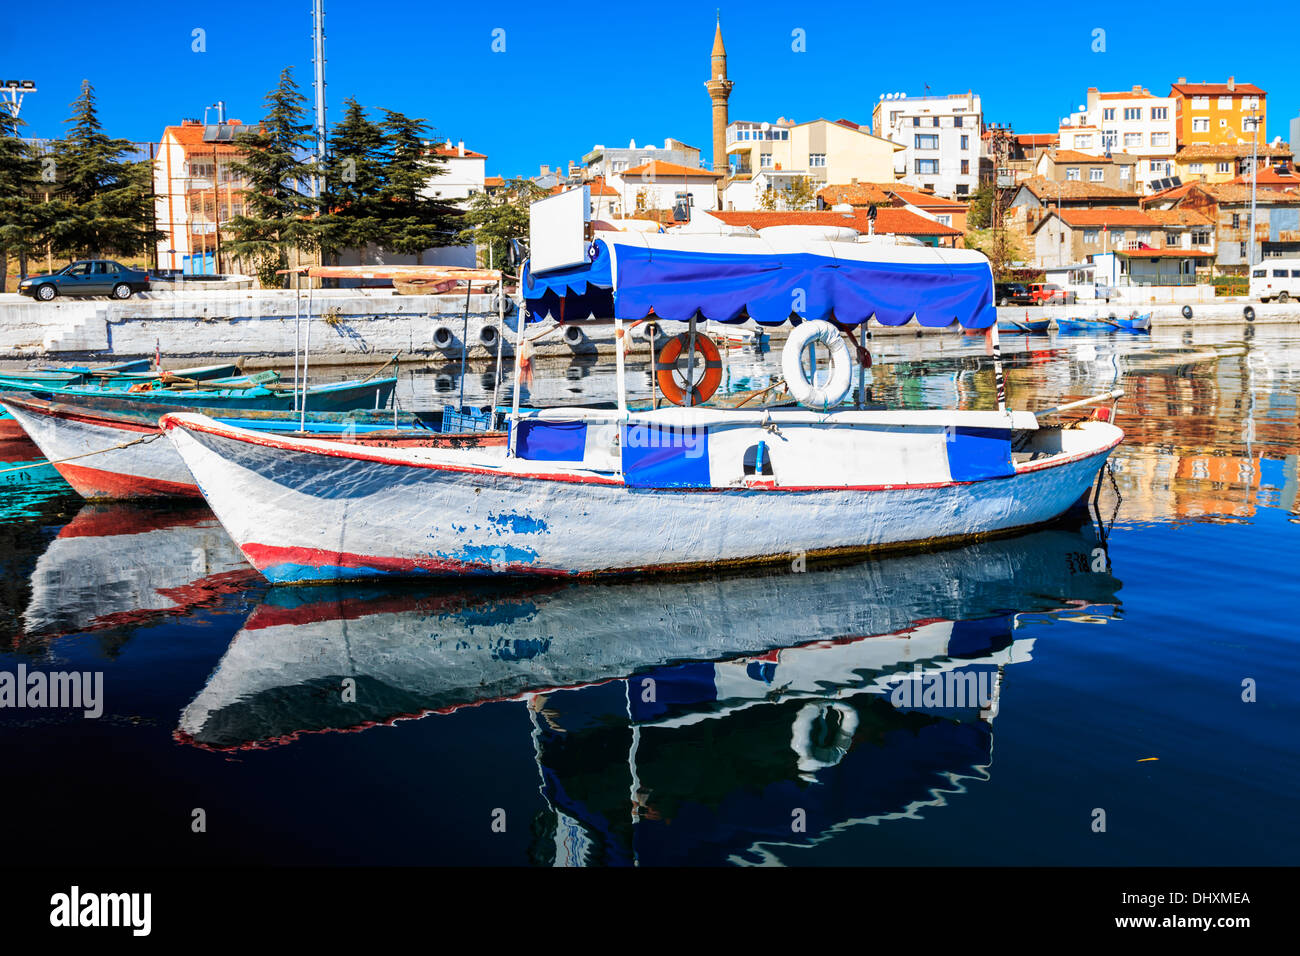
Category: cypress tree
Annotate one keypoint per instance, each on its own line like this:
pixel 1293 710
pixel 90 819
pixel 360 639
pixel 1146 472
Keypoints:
pixel 354 181
pixel 413 221
pixel 19 210
pixel 101 202
pixel 278 204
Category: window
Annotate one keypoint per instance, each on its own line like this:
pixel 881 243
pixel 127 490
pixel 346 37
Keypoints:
pixel 1144 236
pixel 1132 112
pixel 1159 139
pixel 1259 274
pixel 965 167
pixel 1200 237
pixel 1159 167
pixel 764 160
pixel 1200 102
pixel 1279 273
pixel 935 122
pixel 1171 239
pixel 893 117
pixel 965 141
pixel 1201 124
pixel 1083 142
pixel 962 189
pixel 945 220
pixel 1295 273
pixel 1223 167
pixel 1072 174
pixel 1125 173
pixel 816 160
pixel 1132 140
pixel 916 121
pixel 1250 102
pixel 956 121
pixel 1091 236
pixel 1236 220
pixel 1223 124
pixel 1225 102
pixel 927 167
pixel 926 140
pixel 1248 124
pixel 1108 113
pixel 1243 249
pixel 1096 174
pixel 1196 168
pixel 1159 112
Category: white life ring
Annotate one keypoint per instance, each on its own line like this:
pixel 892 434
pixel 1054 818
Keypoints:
pixel 809 393
pixel 822 734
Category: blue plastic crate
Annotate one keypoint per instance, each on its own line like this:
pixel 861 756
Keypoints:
pixel 466 419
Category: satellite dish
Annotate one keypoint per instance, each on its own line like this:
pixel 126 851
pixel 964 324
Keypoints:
pixel 764 126
pixel 902 96
pixel 882 96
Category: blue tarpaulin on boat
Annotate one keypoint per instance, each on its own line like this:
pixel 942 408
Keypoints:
pixel 774 288
pixel 541 440
pixel 978 453
pixel 662 456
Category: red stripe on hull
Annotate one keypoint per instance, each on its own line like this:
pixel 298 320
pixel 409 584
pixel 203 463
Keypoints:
pixel 263 556
pixel 10 429
pixel 94 484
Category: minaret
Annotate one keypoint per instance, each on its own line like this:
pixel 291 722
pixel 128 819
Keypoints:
pixel 719 88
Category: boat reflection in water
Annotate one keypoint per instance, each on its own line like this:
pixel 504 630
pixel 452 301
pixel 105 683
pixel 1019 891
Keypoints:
pixel 27 480
pixel 121 564
pixel 681 721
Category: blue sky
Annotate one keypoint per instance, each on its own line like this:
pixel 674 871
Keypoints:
pixel 572 76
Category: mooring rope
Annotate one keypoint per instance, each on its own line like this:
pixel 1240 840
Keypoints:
pixel 59 461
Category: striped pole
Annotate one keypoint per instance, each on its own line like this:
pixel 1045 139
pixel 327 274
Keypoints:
pixel 995 349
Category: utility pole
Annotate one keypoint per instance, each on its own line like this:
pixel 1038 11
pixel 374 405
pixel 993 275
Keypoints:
pixel 318 62
pixel 1254 167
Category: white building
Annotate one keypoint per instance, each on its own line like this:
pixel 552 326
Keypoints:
pixel 661 185
pixel 462 175
pixel 1134 122
pixel 940 136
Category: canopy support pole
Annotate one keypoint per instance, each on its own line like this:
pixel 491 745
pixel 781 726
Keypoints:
pixel 862 369
pixel 464 346
pixel 501 325
pixel 519 355
pixel 306 359
pixel 690 363
pixel 998 380
pixel 297 336
pixel 620 370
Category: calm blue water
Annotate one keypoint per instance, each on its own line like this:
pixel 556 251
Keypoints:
pixel 740 719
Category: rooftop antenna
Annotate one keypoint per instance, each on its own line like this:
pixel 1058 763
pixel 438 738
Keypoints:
pixel 318 62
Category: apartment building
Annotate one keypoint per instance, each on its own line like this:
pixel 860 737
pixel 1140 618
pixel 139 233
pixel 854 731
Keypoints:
pixel 769 156
pixel 609 161
pixel 1112 170
pixel 1218 113
pixel 1224 162
pixel 1136 123
pixel 940 140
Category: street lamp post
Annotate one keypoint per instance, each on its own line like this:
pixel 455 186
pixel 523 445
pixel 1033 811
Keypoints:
pixel 1254 176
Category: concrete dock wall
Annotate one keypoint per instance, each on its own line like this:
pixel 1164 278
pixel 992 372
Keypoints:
pixel 362 326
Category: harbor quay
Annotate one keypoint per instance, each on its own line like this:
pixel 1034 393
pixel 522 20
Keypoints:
pixel 363 326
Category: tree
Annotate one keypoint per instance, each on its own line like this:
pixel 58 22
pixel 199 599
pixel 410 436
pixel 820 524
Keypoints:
pixel 354 183
pixel 413 219
pixel 278 205
pixel 20 222
pixel 100 202
pixel 981 204
pixel 768 200
pixel 799 194
pixel 493 220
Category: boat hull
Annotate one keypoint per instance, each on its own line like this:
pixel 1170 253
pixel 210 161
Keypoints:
pixel 114 457
pixel 300 511
pixel 341 397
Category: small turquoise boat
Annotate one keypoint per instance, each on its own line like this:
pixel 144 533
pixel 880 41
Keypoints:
pixel 1128 323
pixel 222 395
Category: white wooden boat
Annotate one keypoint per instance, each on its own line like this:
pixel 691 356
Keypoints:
pixel 591 492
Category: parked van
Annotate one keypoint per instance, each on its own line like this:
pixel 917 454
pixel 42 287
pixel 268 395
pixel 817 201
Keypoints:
pixel 1275 279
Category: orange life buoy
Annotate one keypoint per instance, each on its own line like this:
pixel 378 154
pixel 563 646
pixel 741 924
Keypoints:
pixel 666 364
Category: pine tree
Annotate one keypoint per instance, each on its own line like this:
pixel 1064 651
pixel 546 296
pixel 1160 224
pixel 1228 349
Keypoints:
pixel 413 221
pixel 493 220
pixel 278 204
pixel 20 220
pixel 354 182
pixel 101 202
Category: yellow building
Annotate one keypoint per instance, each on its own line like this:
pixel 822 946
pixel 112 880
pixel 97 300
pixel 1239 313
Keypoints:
pixel 1218 113
pixel 1224 163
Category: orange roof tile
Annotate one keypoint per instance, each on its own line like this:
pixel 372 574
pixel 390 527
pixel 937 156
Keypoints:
pixel 661 169
pixel 1179 217
pixel 1109 216
pixel 855 194
pixel 1049 189
pixel 1216 89
pixel 889 220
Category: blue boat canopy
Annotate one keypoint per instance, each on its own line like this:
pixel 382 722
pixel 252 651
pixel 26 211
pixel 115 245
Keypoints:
pixel 631 276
